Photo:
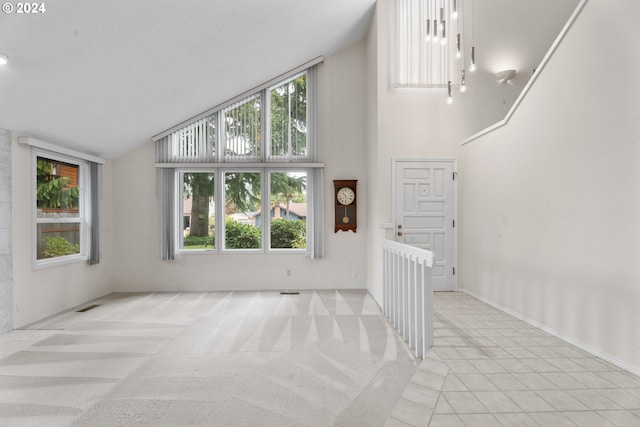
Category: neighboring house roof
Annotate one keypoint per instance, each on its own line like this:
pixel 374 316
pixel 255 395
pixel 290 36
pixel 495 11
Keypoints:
pixel 188 203
pixel 299 209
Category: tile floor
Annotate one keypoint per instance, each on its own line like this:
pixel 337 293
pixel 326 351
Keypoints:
pixel 487 368
pixel 323 358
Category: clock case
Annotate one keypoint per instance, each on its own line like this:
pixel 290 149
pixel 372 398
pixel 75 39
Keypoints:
pixel 351 211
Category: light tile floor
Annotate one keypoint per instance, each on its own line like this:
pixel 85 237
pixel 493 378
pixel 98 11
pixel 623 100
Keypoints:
pixel 487 368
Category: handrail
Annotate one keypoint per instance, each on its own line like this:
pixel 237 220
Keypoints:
pixel 408 293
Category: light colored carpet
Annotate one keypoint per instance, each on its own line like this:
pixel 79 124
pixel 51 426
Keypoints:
pixel 320 358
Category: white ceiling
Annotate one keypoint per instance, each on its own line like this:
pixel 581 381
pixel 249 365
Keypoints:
pixel 103 76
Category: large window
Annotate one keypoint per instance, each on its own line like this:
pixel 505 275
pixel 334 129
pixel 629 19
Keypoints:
pixel 245 173
pixel 60 209
pixel 250 219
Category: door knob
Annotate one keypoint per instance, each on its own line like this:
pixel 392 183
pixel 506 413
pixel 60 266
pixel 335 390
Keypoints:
pixel 399 233
pixel 399 226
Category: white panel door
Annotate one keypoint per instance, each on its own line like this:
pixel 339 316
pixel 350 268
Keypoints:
pixel 424 213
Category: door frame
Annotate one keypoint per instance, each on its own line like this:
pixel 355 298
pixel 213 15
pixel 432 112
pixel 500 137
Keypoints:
pixel 394 200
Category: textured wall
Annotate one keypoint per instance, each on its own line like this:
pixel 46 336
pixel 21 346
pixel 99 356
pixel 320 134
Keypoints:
pixel 6 257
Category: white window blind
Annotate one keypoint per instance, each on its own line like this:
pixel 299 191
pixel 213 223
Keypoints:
pixel 195 142
pixel 243 130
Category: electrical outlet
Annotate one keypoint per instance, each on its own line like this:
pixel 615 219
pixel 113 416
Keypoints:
pixel 288 273
pixel 354 275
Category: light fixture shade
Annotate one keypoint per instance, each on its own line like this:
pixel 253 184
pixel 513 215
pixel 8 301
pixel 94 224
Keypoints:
pixel 472 64
pixel 505 75
pixel 3 58
pixel 463 81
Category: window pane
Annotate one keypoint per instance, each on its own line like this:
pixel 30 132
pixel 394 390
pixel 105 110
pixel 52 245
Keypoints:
pixel 243 133
pixel 242 203
pixel 199 211
pixel 57 239
pixel 289 118
pixel 193 143
pixel 288 213
pixel 57 193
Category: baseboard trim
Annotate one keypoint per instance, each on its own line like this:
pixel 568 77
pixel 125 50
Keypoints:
pixel 589 349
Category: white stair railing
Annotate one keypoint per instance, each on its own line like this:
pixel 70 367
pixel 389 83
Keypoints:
pixel 408 293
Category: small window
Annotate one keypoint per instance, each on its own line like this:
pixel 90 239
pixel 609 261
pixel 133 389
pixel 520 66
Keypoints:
pixel 243 130
pixel 242 202
pixel 60 228
pixel 198 211
pixel 288 212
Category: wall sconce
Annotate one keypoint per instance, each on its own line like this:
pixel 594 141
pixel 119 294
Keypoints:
pixel 3 58
pixel 505 75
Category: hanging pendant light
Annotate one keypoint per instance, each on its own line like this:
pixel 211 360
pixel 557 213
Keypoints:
pixel 472 66
pixel 429 44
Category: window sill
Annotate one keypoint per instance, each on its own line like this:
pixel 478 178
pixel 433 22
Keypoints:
pixel 240 251
pixel 58 261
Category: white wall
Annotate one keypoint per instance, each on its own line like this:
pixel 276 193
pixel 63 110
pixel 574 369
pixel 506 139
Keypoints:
pixel 375 235
pixel 342 148
pixel 550 202
pixel 44 292
pixel 406 123
pixel 507 34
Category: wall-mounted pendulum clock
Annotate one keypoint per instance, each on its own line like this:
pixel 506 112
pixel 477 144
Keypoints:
pixel 345 204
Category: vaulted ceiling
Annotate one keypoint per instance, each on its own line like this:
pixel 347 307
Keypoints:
pixel 104 76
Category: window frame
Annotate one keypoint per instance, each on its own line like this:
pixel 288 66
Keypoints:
pixel 289 157
pixel 84 210
pixel 221 140
pixel 222 216
pixel 180 211
pixel 219 214
pixel 308 224
pixel 192 147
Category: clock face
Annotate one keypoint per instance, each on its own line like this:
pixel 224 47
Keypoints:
pixel 345 196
